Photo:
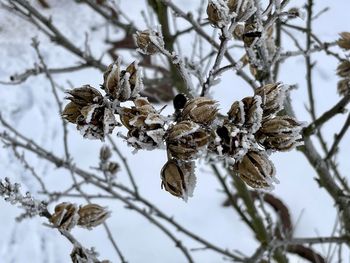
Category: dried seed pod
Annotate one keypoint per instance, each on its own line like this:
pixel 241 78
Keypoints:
pixel 256 170
pixel 239 7
pixel 281 133
pixel 238 32
pixel 82 255
pixel 84 96
pixel 247 113
pixel 71 112
pixel 145 125
pixel 185 139
pixel 66 216
pixel 92 215
pixel 273 96
pixel 200 110
pixel 343 69
pixel 344 86
pixel 344 40
pixel 112 168
pixel 96 121
pixel 218 13
pixel 144 41
pixel 178 178
pixel 122 85
pixel 295 12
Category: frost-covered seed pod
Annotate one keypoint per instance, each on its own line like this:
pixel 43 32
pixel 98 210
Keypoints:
pixel 247 113
pixel 178 178
pixel 343 69
pixel 344 40
pixel 71 112
pixel 218 13
pixel 185 139
pixel 144 42
pixel 256 170
pixel 122 85
pixel 273 96
pixel 200 110
pixel 282 133
pixel 84 96
pixel 66 216
pixel 92 215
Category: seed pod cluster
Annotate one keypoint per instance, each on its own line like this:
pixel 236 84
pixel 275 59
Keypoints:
pixel 145 125
pixel 252 127
pixel 68 215
pixel 86 109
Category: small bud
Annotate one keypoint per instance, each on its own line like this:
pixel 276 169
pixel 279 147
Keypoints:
pixel 92 215
pixel 281 133
pixel 344 41
pixel 200 110
pixel 105 153
pixel 256 170
pixel 66 216
pixel 185 139
pixel 178 178
pixel 218 13
pixel 295 12
pixel 344 86
pixel 343 69
pixel 144 42
pixel 273 96
pixel 112 168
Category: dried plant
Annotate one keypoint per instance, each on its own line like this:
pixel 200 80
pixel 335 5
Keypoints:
pixel 161 98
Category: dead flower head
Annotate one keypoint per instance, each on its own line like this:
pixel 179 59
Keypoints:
pixel 343 69
pixel 344 40
pixel 122 85
pixel 92 215
pixel 256 170
pixel 66 216
pixel 145 41
pixel 185 140
pixel 281 133
pixel 86 109
pixel 344 86
pixel 145 125
pixel 178 178
pixel 218 13
pixel 200 110
pixel 273 96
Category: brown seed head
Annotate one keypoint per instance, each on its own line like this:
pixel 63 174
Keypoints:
pixel 92 215
pixel 344 86
pixel 281 133
pixel 144 43
pixel 200 110
pixel 66 216
pixel 173 179
pixel 185 139
pixel 344 40
pixel 273 96
pixel 218 13
pixel 343 69
pixel 256 170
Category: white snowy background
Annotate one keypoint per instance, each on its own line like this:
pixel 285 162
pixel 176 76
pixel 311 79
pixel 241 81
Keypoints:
pixel 32 109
